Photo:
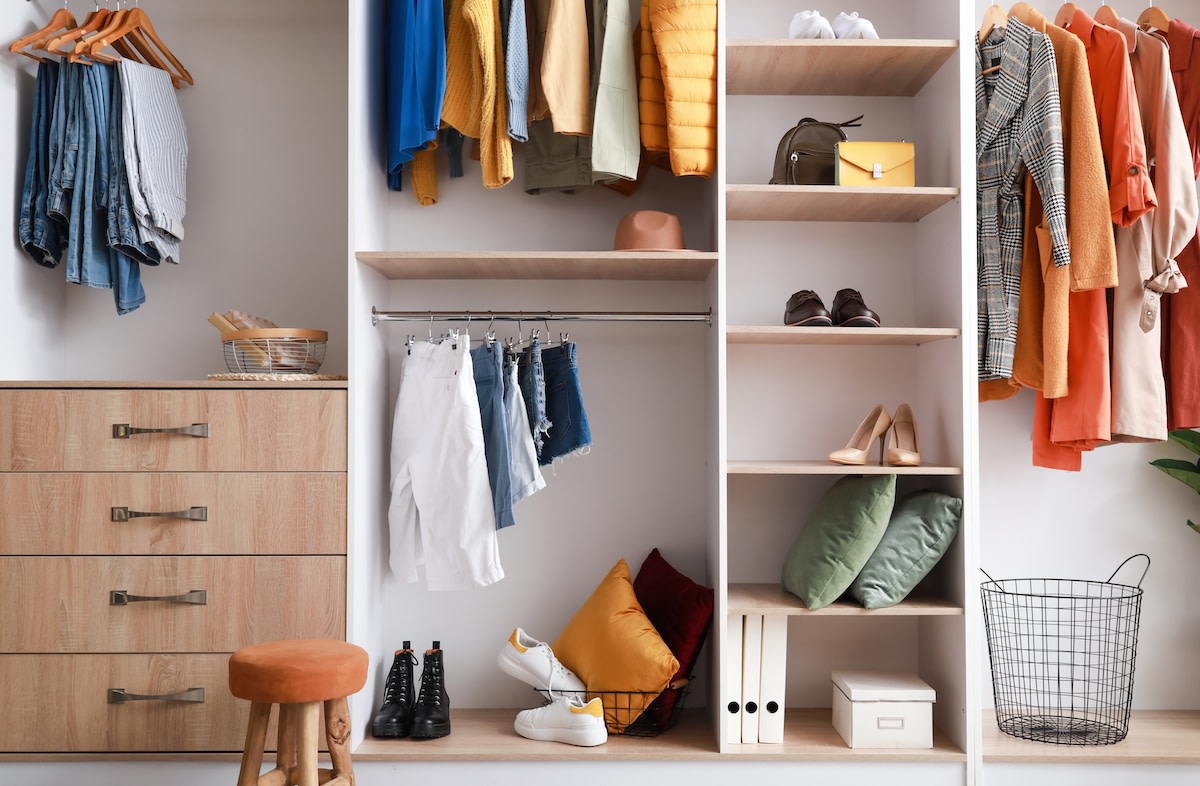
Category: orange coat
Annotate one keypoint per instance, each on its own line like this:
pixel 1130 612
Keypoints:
pixel 1083 418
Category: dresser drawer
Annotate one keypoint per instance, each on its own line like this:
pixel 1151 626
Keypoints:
pixel 81 430
pixel 75 604
pixel 216 513
pixel 60 703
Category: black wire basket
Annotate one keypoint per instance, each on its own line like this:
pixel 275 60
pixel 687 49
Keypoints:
pixel 1062 653
pixel 637 713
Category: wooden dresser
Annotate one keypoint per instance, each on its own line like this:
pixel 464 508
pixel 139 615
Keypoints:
pixel 149 530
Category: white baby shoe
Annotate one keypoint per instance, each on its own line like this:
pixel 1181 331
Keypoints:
pixel 810 24
pixel 853 26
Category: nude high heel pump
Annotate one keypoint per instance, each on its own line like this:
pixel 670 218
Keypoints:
pixel 874 427
pixel 904 451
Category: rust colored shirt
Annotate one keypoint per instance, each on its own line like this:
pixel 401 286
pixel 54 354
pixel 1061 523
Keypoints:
pixel 1130 192
pixel 1181 311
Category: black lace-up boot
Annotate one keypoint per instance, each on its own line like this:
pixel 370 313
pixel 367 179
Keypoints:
pixel 394 718
pixel 431 715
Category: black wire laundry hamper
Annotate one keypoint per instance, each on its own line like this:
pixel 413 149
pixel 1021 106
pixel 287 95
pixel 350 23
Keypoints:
pixel 1062 653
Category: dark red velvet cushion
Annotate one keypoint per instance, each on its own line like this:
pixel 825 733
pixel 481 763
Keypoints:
pixel 681 610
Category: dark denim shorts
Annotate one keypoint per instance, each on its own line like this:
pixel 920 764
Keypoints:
pixel 570 432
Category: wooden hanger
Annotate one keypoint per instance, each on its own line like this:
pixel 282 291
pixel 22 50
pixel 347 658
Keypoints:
pixel 1154 19
pixel 993 17
pixel 1105 15
pixel 59 20
pixel 137 27
pixel 1065 14
pixel 1020 11
pixel 94 21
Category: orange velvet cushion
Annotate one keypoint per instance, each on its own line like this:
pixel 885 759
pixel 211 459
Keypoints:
pixel 299 670
pixel 615 650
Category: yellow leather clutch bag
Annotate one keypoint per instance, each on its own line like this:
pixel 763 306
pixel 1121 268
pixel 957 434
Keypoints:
pixel 874 164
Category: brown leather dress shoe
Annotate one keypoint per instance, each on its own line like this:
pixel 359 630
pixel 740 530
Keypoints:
pixel 805 309
pixel 849 310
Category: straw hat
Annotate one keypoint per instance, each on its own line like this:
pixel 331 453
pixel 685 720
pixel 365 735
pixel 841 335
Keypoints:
pixel 649 230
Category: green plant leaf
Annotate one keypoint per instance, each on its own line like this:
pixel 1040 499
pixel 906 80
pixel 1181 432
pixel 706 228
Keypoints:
pixel 1187 437
pixel 1183 471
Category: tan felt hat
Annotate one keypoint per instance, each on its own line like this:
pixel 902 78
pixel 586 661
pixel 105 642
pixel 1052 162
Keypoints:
pixel 649 230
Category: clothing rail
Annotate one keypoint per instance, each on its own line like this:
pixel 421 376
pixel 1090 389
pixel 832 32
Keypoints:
pixel 378 316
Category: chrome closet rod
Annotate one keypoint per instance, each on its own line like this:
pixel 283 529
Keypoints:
pixel 378 316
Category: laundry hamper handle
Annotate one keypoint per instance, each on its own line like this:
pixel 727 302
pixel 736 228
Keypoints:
pixel 1109 580
pixel 1126 562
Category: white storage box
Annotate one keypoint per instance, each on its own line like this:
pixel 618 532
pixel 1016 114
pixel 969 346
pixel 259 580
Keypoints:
pixel 874 709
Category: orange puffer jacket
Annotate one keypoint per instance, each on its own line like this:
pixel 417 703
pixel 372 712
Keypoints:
pixel 677 82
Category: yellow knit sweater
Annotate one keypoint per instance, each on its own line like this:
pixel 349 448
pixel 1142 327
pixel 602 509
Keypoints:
pixel 474 70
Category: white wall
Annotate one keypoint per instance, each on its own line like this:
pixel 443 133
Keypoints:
pixel 266 221
pixel 31 297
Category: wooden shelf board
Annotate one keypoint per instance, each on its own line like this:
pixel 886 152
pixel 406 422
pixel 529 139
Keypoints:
pixel 774 599
pixel 487 735
pixel 747 202
pixel 808 734
pixel 538 265
pixel 174 384
pixel 884 67
pixel 836 336
pixel 785 467
pixel 1155 737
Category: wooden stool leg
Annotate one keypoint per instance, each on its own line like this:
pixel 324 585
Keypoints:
pixel 308 723
pixel 285 748
pixel 256 741
pixel 337 737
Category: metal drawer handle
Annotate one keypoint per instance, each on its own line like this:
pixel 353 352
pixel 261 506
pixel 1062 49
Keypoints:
pixel 121 696
pixel 194 513
pixel 125 431
pixel 123 598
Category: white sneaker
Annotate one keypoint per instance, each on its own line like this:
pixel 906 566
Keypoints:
pixel 853 26
pixel 532 662
pixel 566 719
pixel 809 24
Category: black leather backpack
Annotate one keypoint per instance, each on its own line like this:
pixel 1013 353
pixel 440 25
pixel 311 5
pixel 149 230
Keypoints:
pixel 805 153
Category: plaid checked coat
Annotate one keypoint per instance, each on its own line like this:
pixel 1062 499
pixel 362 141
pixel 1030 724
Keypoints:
pixel 1018 127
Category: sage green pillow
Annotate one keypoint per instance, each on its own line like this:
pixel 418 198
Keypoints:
pixel 838 538
pixel 922 526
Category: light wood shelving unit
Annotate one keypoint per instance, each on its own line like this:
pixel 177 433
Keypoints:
pixel 843 69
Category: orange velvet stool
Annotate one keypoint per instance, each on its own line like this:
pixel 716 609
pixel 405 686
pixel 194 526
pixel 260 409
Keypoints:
pixel 301 676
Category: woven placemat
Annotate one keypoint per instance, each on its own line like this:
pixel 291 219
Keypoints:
pixel 276 377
